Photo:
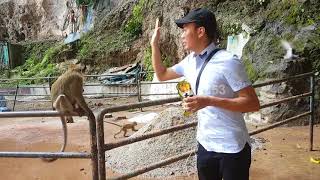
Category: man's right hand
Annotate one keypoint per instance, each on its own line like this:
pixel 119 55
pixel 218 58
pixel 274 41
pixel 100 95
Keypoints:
pixel 156 34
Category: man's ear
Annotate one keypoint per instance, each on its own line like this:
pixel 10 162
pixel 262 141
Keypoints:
pixel 201 31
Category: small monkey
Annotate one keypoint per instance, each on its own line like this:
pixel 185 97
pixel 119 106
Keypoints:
pixel 124 128
pixel 67 97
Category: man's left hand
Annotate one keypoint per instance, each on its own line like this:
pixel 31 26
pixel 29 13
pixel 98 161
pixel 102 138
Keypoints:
pixel 194 103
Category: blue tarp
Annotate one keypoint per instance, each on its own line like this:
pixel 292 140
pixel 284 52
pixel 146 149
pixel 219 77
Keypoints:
pixel 128 75
pixel 3 104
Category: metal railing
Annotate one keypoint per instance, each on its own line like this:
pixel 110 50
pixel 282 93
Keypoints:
pixel 99 147
pixel 102 147
pixel 134 90
pixel 93 142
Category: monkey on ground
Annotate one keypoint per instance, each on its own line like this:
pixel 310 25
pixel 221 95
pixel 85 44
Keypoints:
pixel 67 97
pixel 124 128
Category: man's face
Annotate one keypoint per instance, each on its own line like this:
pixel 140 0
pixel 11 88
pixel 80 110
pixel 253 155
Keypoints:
pixel 190 36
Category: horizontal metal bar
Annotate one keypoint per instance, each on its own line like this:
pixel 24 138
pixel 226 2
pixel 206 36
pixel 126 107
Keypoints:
pixel 146 82
pixel 33 114
pixel 138 105
pixel 22 86
pixel 17 79
pixel 85 94
pixel 53 77
pixel 110 95
pixel 146 72
pixel 286 100
pixel 25 95
pixel 159 94
pixel 155 165
pixel 279 123
pixel 111 85
pixel 45 155
pixel 6 94
pixel 35 100
pixel 102 75
pixel 133 93
pixel 283 80
pixel 148 135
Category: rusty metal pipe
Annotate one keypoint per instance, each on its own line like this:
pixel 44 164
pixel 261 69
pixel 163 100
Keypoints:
pixel 311 118
pixel 155 165
pixel 279 123
pixel 187 154
pixel 299 76
pixel 100 127
pixel 45 155
pixel 148 136
pixel 23 114
pixel 286 100
pixel 94 150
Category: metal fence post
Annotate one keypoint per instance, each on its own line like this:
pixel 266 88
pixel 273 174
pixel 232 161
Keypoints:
pixel 15 97
pixel 139 88
pixel 100 145
pixel 94 150
pixel 311 117
pixel 49 82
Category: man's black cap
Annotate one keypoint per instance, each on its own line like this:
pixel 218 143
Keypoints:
pixel 201 17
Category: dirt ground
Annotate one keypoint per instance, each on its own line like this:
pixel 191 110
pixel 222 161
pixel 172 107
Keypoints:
pixel 285 154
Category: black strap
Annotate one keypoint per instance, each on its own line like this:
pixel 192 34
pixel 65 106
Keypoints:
pixel 204 65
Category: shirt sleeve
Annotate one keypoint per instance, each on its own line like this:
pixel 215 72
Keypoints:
pixel 180 68
pixel 236 75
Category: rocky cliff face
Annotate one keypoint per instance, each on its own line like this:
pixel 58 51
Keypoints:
pixel 31 20
pixel 22 20
pixel 269 23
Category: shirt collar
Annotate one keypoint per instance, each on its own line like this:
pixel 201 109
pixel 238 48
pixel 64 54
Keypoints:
pixel 206 51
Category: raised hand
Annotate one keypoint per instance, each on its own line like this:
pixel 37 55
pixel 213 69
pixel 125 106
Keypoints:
pixel 156 34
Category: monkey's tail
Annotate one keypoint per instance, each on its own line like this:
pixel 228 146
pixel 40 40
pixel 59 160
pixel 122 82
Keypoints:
pixel 65 135
pixel 113 123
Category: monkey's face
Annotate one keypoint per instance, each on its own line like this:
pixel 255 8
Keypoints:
pixel 77 68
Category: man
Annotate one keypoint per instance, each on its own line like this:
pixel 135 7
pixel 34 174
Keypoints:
pixel 224 92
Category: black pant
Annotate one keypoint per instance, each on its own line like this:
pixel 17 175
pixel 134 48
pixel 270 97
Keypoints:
pixel 229 166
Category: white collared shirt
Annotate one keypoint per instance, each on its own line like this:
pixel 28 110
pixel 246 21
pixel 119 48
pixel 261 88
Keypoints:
pixel 218 130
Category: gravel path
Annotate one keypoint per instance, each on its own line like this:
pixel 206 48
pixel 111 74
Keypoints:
pixel 140 154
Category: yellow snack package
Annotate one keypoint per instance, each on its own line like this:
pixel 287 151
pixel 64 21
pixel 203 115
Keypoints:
pixel 184 90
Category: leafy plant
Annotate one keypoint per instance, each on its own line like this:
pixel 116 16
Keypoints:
pixel 252 73
pixel 166 60
pixel 147 62
pixel 38 65
pixel 134 26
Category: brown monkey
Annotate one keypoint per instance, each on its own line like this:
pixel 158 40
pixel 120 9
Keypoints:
pixel 67 97
pixel 124 128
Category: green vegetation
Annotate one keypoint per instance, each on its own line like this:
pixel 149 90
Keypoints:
pixel 134 26
pixel 84 2
pixel 293 12
pixel 38 65
pixel 252 73
pixel 40 58
pixel 94 48
pixel 231 29
pixel 147 62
